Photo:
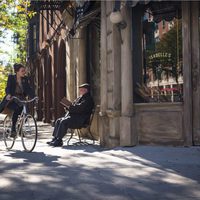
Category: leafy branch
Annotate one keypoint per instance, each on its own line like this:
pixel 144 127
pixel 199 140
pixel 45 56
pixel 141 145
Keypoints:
pixel 14 16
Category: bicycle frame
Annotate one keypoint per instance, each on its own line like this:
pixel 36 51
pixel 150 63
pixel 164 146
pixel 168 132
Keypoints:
pixel 26 127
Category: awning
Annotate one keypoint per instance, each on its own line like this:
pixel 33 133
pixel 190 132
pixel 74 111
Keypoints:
pixel 135 2
pixel 161 10
pixel 165 10
pixel 86 19
pixel 84 14
pixel 46 5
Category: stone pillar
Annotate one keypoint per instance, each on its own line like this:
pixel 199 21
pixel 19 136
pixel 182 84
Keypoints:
pixel 82 69
pixel 113 77
pixel 103 126
pixel 53 83
pixel 43 88
pixel 110 78
pixel 195 72
pixel 187 71
pixel 127 135
pixel 70 70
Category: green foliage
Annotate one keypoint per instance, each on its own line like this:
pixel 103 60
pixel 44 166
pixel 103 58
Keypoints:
pixel 14 16
pixel 172 42
pixel 4 71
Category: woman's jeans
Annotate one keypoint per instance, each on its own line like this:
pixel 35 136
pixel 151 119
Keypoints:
pixel 17 111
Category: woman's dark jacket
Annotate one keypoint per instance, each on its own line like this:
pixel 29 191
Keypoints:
pixel 11 86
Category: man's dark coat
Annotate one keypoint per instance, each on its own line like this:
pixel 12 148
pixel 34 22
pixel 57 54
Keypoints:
pixel 79 114
pixel 80 110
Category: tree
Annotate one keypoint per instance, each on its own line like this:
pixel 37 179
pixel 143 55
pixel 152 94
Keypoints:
pixel 4 71
pixel 14 16
pixel 172 42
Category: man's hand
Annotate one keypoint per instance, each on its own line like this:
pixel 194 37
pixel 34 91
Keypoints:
pixel 65 102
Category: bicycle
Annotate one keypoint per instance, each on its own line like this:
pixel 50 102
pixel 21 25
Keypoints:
pixel 26 127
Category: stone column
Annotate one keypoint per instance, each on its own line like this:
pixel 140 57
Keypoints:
pixel 103 126
pixel 187 71
pixel 82 69
pixel 113 77
pixel 43 87
pixel 127 135
pixel 195 72
pixel 53 83
pixel 70 70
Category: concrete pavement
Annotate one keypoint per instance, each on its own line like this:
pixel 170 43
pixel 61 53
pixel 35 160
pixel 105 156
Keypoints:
pixel 89 172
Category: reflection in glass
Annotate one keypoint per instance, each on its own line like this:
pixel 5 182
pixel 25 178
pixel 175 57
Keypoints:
pixel 162 52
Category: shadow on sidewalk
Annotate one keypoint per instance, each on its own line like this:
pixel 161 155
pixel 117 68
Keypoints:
pixel 178 160
pixel 35 157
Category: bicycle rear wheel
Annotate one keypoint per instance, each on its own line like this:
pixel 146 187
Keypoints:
pixel 7 124
pixel 29 133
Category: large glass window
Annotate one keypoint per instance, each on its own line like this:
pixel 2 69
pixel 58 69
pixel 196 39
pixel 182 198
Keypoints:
pixel 162 79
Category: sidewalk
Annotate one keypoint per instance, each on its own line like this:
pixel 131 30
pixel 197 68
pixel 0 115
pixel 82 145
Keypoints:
pixel 90 172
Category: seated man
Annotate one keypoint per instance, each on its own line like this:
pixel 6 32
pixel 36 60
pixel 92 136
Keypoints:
pixel 79 113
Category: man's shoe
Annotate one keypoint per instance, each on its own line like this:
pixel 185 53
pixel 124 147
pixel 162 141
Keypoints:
pixel 57 143
pixel 13 134
pixel 53 140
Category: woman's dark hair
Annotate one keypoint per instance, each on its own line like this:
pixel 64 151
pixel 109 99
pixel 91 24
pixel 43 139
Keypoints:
pixel 17 67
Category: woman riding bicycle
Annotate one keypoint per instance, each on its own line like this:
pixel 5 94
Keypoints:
pixel 17 85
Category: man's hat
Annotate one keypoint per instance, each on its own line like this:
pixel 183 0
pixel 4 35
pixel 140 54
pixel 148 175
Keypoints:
pixel 84 85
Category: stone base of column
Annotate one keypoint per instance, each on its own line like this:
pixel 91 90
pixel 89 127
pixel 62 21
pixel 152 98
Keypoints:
pixel 128 135
pixel 103 131
pixel 113 142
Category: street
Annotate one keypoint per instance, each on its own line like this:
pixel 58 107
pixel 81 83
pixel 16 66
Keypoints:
pixel 90 172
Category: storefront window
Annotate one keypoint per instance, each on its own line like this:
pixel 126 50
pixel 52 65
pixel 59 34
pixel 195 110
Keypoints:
pixel 162 79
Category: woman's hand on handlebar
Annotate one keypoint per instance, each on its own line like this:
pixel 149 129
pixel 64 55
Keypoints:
pixel 8 97
pixel 17 100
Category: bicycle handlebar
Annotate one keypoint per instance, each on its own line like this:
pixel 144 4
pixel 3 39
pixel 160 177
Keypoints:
pixel 26 101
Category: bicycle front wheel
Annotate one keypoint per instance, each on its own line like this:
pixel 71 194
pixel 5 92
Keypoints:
pixel 29 133
pixel 7 124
